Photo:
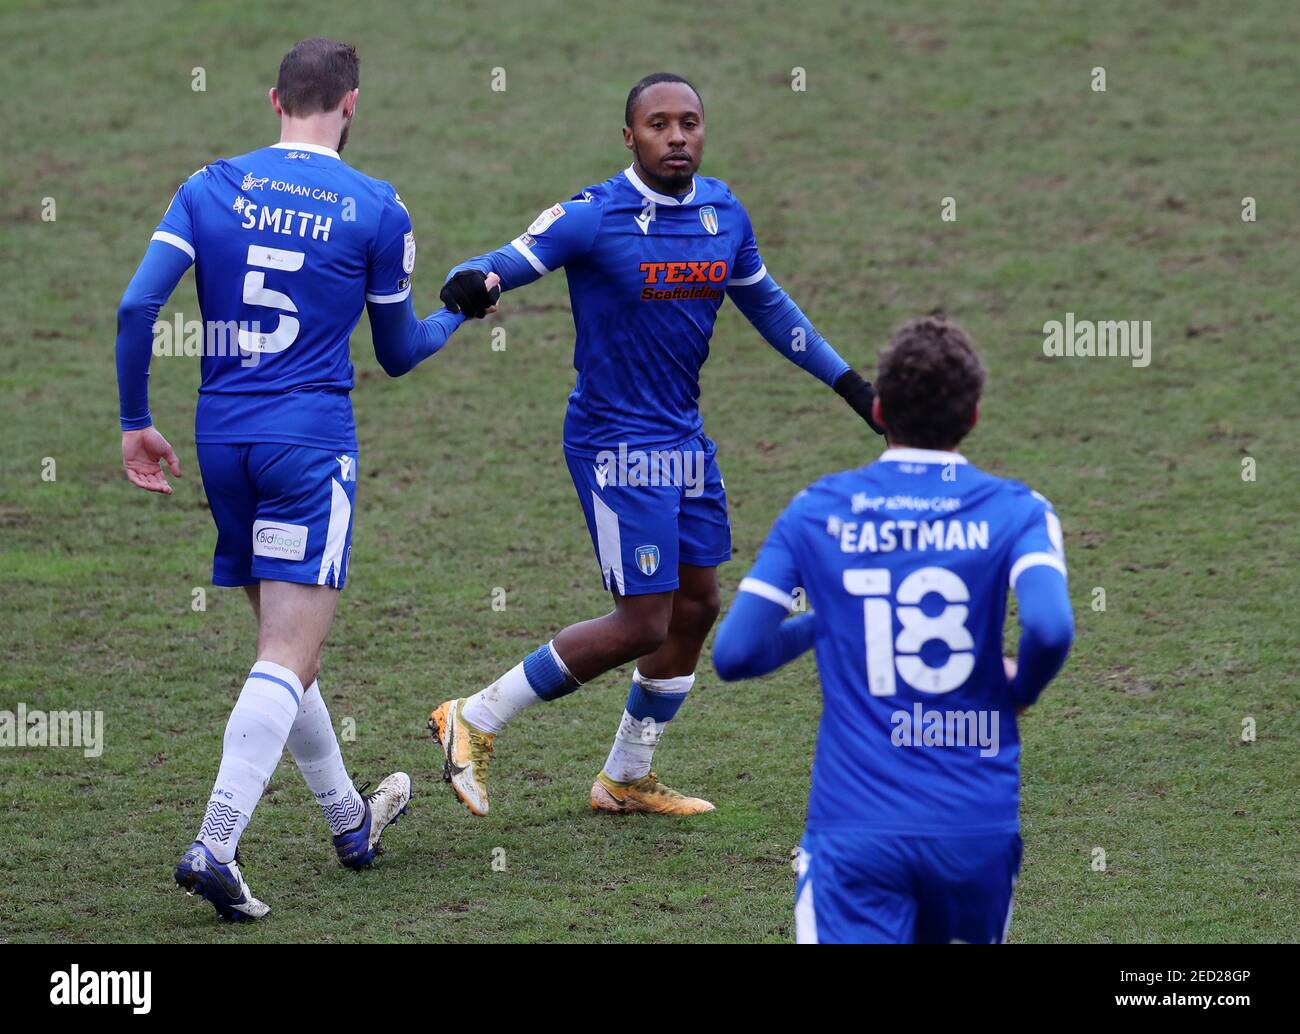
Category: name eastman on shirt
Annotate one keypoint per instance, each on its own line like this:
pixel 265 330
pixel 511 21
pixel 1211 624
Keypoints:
pixel 886 536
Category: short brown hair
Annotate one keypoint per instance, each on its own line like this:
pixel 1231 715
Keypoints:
pixel 316 74
pixel 929 383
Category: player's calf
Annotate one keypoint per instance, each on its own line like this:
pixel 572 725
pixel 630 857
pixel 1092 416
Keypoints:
pixel 466 728
pixel 637 626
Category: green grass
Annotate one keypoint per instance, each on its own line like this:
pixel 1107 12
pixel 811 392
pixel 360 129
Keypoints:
pixel 1117 205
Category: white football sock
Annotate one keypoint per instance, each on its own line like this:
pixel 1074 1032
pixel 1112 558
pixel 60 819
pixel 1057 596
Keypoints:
pixel 634 748
pixel 489 709
pixel 254 741
pixel 315 748
pixel 635 742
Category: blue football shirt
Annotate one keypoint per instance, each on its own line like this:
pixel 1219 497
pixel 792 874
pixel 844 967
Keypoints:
pixel 907 564
pixel 647 275
pixel 289 243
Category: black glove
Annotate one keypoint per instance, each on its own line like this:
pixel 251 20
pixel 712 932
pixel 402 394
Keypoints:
pixel 859 394
pixel 467 292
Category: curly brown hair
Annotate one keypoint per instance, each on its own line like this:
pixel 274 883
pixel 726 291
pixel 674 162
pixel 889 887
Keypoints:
pixel 315 75
pixel 929 383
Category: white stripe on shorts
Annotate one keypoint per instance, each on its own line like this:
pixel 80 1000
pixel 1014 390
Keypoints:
pixel 609 544
pixel 331 563
pixel 805 916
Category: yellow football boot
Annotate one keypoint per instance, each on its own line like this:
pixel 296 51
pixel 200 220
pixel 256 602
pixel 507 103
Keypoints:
pixel 644 794
pixel 467 751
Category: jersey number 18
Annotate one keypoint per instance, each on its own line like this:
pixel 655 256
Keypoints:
pixel 886 655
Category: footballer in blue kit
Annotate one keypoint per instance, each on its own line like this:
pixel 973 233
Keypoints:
pixel 289 245
pixel 650 255
pixel 907 563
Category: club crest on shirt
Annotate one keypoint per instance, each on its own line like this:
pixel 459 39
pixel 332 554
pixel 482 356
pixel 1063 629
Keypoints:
pixel 647 559
pixel 709 217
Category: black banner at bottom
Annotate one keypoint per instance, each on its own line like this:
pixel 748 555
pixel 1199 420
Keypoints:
pixel 142 982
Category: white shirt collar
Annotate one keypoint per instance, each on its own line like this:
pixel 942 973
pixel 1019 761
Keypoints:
pixel 654 195
pixel 286 145
pixel 920 456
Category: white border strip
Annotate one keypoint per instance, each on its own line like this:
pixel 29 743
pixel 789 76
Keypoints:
pixel 175 242
pixel 1035 560
pixel 654 195
pixel 388 299
pixel 907 455
pixel 285 145
pixel 527 253
pixel 745 281
pixel 769 592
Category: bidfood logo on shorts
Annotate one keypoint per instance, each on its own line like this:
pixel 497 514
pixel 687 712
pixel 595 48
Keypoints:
pixel 284 541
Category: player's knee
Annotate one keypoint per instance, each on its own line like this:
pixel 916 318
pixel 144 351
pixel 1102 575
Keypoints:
pixel 647 639
pixel 302 664
pixel 699 612
pixel 708 608
pixel 643 633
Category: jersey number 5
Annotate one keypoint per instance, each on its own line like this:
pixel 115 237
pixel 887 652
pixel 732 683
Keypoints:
pixel 885 654
pixel 257 293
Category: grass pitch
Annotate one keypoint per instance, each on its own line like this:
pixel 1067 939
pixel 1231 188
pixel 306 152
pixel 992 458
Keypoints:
pixel 1123 204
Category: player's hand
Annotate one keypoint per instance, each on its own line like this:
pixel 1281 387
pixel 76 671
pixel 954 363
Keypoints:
pixel 1011 666
pixel 859 394
pixel 471 292
pixel 143 454
pixel 493 284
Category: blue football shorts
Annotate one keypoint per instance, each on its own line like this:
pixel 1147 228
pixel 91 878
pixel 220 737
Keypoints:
pixel 863 888
pixel 283 512
pixel 649 509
